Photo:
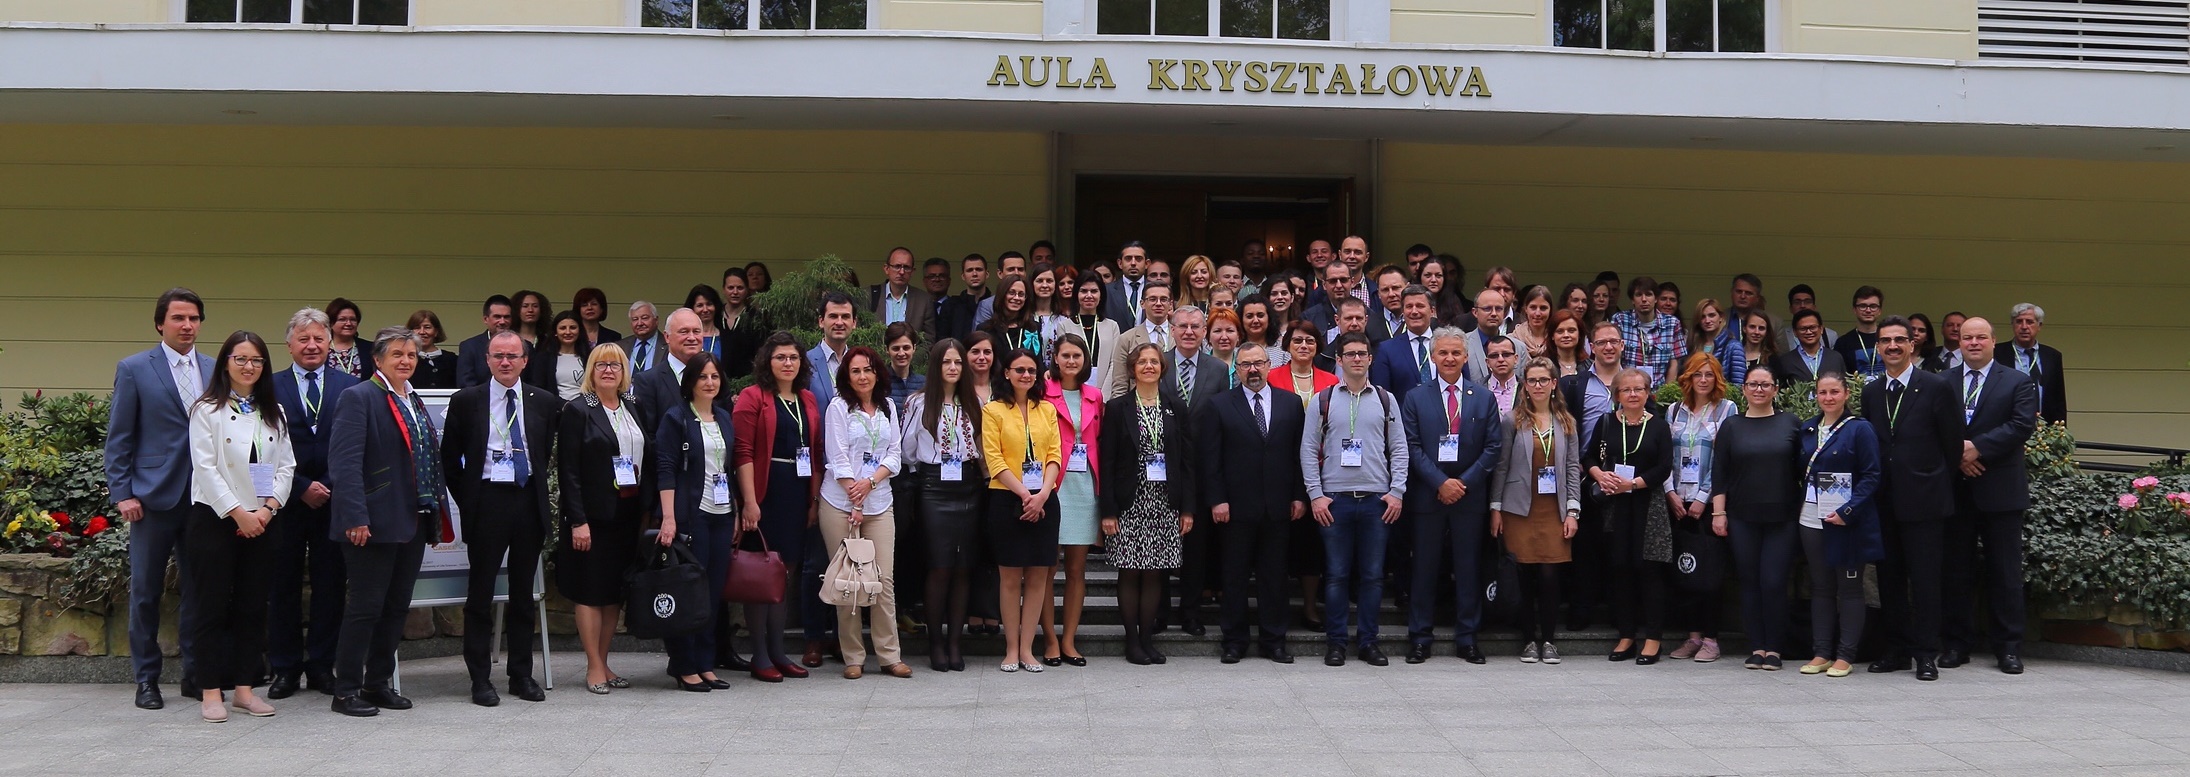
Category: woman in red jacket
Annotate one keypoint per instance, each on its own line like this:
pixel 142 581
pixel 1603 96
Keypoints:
pixel 777 431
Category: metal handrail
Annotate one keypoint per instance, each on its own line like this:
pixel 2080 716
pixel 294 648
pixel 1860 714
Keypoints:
pixel 2174 456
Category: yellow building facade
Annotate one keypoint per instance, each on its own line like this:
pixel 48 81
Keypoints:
pixel 484 146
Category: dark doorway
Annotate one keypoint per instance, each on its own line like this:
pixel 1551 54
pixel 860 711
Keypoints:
pixel 1179 217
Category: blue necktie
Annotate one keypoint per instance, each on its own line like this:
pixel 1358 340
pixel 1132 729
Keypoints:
pixel 523 463
pixel 311 400
pixel 639 362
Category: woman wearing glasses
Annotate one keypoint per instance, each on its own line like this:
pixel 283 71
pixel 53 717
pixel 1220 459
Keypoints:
pixel 1629 463
pixel 1755 499
pixel 1537 506
pixel 1019 446
pixel 1839 520
pixel 241 465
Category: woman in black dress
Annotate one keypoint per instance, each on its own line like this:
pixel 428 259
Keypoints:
pixel 605 461
pixel 1628 464
pixel 1147 496
pixel 778 431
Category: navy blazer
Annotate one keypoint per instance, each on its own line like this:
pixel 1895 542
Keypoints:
pixel 679 463
pixel 469 426
pixel 1481 440
pixel 2005 416
pixel 369 468
pixel 1211 378
pixel 1394 365
pixel 1854 450
pixel 309 444
pixel 1920 443
pixel 148 431
pixel 2051 381
pixel 1257 475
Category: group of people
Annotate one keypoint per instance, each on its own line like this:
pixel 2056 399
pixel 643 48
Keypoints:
pixel 1224 429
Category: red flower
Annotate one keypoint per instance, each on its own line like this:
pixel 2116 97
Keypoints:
pixel 60 519
pixel 96 525
pixel 56 541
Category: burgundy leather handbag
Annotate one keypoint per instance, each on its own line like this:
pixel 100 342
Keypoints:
pixel 756 576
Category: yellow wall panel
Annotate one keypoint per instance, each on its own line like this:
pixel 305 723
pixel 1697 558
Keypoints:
pixel 88 11
pixel 1941 29
pixel 543 13
pixel 1020 16
pixel 1504 22
pixel 2098 244
pixel 262 221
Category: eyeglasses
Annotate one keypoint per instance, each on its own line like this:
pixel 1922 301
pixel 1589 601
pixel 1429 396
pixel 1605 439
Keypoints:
pixel 1765 386
pixel 505 357
pixel 785 357
pixel 901 267
pixel 1354 355
pixel 609 367
pixel 1025 371
pixel 1606 342
pixel 247 361
pixel 1501 356
pixel 1254 364
pixel 1896 339
pixel 1538 381
pixel 1866 306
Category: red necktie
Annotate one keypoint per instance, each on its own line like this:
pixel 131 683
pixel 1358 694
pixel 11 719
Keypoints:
pixel 1452 407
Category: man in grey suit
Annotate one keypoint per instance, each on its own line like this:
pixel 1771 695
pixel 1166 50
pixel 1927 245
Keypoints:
pixel 898 299
pixel 1195 377
pixel 148 470
pixel 645 346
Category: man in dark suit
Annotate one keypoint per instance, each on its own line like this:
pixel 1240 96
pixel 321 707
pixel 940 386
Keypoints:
pixel 1193 376
pixel 898 299
pixel 1919 423
pixel 301 646
pixel 471 355
pixel 1387 311
pixel 661 389
pixel 1403 361
pixel 954 316
pixel 1249 443
pixel 495 443
pixel 148 471
pixel 1122 300
pixel 384 461
pixel 1453 442
pixel 2039 361
pixel 645 347
pixel 1353 316
pixel 1324 312
pixel 2000 411
pixel 1810 358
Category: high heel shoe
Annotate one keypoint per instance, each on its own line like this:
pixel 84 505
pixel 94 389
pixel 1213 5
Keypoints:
pixel 1632 650
pixel 698 687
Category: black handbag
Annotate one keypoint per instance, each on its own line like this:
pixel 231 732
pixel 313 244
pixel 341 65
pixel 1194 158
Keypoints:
pixel 1502 593
pixel 668 594
pixel 1699 557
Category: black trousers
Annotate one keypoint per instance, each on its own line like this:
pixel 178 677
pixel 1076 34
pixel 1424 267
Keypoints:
pixel 1255 545
pixel 1764 560
pixel 1458 530
pixel 1998 573
pixel 1637 586
pixel 1584 577
pixel 1909 583
pixel 224 579
pixel 505 518
pixel 382 575
pixel 298 639
pixel 1199 557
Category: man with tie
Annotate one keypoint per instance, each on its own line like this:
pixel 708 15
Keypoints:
pixel 496 436
pixel 1155 307
pixel 148 470
pixel 1403 361
pixel 1193 376
pixel 384 464
pixel 301 645
pixel 1353 316
pixel 1999 412
pixel 471 355
pixel 2039 361
pixel 1919 419
pixel 897 299
pixel 645 343
pixel 1249 443
pixel 1453 442
pixel 1124 300
pixel 1325 311
pixel 1389 316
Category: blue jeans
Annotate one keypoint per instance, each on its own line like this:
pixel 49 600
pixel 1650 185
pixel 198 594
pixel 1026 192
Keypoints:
pixel 1353 546
pixel 152 541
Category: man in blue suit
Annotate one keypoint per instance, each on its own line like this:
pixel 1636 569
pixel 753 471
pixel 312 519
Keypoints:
pixel 300 646
pixel 1403 360
pixel 1453 441
pixel 148 470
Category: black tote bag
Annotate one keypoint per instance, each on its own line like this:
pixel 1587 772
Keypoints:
pixel 668 594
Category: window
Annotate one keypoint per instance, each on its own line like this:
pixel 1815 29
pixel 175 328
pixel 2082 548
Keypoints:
pixel 1288 19
pixel 774 14
pixel 1631 25
pixel 395 13
pixel 2138 31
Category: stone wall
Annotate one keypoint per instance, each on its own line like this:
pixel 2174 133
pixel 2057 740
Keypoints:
pixel 2117 626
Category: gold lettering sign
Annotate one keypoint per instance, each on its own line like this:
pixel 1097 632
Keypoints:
pixel 1224 75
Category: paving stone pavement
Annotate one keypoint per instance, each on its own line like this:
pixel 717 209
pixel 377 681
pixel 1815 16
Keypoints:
pixel 1191 717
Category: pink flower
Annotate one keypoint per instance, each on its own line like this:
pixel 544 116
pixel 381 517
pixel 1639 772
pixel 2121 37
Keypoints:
pixel 2127 502
pixel 2145 483
pixel 2179 498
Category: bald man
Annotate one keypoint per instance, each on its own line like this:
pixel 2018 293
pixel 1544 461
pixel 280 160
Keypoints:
pixel 2000 411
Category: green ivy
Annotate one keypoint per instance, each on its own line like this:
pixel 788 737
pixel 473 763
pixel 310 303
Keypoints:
pixel 2082 549
pixel 793 303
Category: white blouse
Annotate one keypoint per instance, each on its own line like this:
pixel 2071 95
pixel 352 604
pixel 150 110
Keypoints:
pixel 853 437
pixel 570 373
pixel 713 451
pixel 222 439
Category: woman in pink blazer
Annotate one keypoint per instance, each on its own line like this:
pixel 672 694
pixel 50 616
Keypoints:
pixel 1079 407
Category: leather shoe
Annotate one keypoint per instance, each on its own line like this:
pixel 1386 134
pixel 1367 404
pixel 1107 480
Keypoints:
pixel 813 653
pixel 385 698
pixel 526 688
pixel 1279 655
pixel 1335 655
pixel 2011 663
pixel 1927 669
pixel 717 683
pixel 1951 658
pixel 1418 652
pixel 284 685
pixel 319 680
pixel 354 706
pixel 482 694
pixel 189 691
pixel 1232 655
pixel 899 670
pixel 1890 663
pixel 1374 655
pixel 729 659
pixel 1193 626
pixel 1470 653
pixel 148 696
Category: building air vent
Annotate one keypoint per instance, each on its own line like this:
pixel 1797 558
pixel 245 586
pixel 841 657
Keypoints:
pixel 2150 32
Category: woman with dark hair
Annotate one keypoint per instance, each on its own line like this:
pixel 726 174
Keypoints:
pixel 778 427
pixel 605 464
pixel 1575 299
pixel 240 468
pixel 704 301
pixel 343 320
pixel 1258 326
pixel 1147 498
pixel 1669 300
pixel 692 471
pixel 1050 288
pixel 981 367
pixel 1013 323
pixel 1087 322
pixel 530 313
pixel 1930 357
pixel 942 442
pixel 758 279
pixel 1300 376
pixel 1019 445
pixel 558 365
pixel 592 307
pixel 1839 525
pixel 1604 300
pixel 1629 463
pixel 1569 354
pixel 1536 504
pixel 901 344
pixel 436 367
pixel 1695 422
pixel 1283 299
pixel 1758 342
pixel 863 447
pixel 1078 403
pixel 1433 275
pixel 1756 499
pixel 740 332
pixel 1533 321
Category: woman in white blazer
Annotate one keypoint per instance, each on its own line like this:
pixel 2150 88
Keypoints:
pixel 1087 323
pixel 240 470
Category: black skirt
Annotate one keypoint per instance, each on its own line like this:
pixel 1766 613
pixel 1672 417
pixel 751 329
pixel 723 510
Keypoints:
pixel 1017 543
pixel 595 577
pixel 948 514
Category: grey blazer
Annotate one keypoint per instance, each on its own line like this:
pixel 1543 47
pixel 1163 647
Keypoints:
pixel 1514 485
pixel 1478 367
pixel 148 431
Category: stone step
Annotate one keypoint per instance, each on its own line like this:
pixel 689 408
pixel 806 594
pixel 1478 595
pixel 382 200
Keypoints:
pixel 1109 640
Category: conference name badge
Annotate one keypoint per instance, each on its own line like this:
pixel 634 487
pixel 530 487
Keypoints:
pixel 953 469
pixel 1349 452
pixel 718 490
pixel 500 467
pixel 626 474
pixel 262 480
pixel 805 460
pixel 1077 462
pixel 1030 475
pixel 1448 448
pixel 1156 471
pixel 1547 482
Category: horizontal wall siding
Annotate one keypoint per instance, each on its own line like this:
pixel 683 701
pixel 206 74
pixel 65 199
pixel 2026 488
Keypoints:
pixel 543 13
pixel 2099 245
pixel 262 221
pixel 89 11
pixel 1937 29
pixel 1016 16
pixel 1503 22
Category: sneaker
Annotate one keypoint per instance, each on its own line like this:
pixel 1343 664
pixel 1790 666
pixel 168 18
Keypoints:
pixel 1688 649
pixel 1549 653
pixel 1709 652
pixel 1529 654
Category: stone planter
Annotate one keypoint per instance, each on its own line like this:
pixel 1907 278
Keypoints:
pixel 2115 626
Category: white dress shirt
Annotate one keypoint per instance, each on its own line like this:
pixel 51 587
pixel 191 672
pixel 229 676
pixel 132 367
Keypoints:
pixel 499 427
pixel 184 366
pixel 853 436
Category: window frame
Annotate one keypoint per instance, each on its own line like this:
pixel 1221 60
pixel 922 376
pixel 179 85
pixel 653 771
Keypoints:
pixel 1351 20
pixel 181 11
pixel 635 13
pixel 1773 16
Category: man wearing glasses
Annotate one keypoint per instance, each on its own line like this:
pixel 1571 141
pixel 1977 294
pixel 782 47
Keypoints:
pixel 897 299
pixel 1350 456
pixel 1860 347
pixel 1250 441
pixel 1809 358
pixel 1490 314
pixel 1918 416
pixel 471 355
pixel 1503 383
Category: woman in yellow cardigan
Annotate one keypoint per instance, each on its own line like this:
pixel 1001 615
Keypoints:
pixel 1019 446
